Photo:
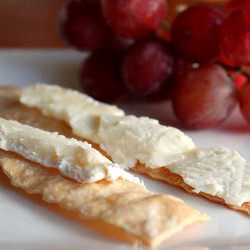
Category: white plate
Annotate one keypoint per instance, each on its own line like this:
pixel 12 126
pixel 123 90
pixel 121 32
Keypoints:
pixel 28 225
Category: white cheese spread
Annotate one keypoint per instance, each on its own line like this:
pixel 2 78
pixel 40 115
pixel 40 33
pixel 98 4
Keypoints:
pixel 217 171
pixel 71 101
pixel 127 139
pixel 74 159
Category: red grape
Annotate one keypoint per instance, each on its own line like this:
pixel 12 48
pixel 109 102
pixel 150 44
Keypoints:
pixel 236 5
pixel 83 26
pixel 86 32
pixel 223 60
pixel 78 7
pixel 235 37
pixel 122 44
pixel 100 76
pixel 182 67
pixel 134 18
pixel 147 66
pixel 195 33
pixel 204 97
pixel 244 100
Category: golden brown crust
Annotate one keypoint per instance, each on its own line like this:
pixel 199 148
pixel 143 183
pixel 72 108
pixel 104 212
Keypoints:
pixel 11 108
pixel 176 180
pixel 127 207
pixel 147 217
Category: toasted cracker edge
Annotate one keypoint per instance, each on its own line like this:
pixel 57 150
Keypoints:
pixel 11 108
pixel 165 175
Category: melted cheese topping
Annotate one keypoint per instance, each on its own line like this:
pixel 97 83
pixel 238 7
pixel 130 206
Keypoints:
pixel 127 139
pixel 74 159
pixel 217 171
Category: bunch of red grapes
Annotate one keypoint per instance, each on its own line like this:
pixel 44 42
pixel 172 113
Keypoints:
pixel 199 61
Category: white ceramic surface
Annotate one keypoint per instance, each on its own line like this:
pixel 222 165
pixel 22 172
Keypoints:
pixel 25 224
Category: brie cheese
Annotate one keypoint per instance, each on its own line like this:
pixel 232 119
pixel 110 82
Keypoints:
pixel 127 139
pixel 74 159
pixel 217 171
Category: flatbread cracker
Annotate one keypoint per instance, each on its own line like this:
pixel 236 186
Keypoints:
pixel 149 218
pixel 11 108
pixel 54 109
pixel 176 180
pixel 162 174
pixel 127 206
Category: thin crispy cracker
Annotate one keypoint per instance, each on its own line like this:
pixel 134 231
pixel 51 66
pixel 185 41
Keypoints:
pixel 176 180
pixel 11 108
pixel 148 217
pixel 129 207
pixel 7 109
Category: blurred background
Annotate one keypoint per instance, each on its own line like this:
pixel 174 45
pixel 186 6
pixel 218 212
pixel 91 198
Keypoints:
pixel 34 23
pixel 30 23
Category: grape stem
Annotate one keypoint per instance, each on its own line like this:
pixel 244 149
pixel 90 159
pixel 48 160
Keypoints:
pixel 165 25
pixel 237 70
